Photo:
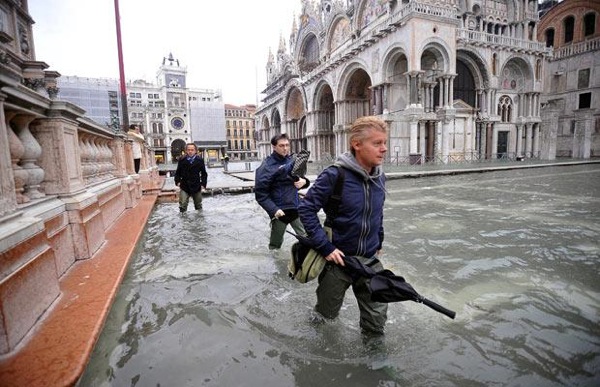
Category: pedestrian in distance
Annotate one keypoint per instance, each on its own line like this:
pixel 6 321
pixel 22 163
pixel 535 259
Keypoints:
pixel 136 146
pixel 357 226
pixel 276 190
pixel 191 177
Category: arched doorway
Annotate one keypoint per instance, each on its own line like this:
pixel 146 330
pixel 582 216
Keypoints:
pixel 295 114
pixel 323 140
pixel 177 149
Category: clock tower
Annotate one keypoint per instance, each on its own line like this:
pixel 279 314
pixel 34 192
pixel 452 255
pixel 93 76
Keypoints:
pixel 172 82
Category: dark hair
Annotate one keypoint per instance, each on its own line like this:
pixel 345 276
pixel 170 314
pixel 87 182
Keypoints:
pixel 281 136
pixel 193 144
pixel 132 126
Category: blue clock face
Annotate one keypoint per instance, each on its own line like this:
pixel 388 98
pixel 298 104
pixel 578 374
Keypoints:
pixel 177 123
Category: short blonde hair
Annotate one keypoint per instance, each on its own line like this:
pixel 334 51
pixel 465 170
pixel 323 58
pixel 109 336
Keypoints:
pixel 360 128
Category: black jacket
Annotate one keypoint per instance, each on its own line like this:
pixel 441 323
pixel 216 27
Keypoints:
pixel 191 175
pixel 274 186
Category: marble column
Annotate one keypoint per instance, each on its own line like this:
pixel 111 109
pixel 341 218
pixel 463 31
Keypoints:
pixel 8 197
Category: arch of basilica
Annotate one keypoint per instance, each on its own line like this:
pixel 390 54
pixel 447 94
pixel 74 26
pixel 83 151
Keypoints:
pixel 454 79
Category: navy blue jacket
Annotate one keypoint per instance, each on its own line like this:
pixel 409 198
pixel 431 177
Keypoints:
pixel 192 176
pixel 358 226
pixel 274 186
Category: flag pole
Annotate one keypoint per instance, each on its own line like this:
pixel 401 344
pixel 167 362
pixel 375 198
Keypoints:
pixel 122 85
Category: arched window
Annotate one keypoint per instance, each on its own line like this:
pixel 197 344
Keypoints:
pixel 505 108
pixel 549 37
pixel 569 27
pixel 589 24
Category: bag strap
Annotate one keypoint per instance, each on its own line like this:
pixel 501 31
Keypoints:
pixel 333 204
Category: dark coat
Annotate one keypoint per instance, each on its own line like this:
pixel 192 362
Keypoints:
pixel 274 185
pixel 358 225
pixel 191 176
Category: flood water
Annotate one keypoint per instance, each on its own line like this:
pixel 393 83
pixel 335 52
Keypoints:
pixel 515 253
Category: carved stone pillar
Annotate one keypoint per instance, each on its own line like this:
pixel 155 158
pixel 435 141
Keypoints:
pixel 8 198
pixel 528 140
pixel 518 151
pixel 413 91
pixel 60 158
pixel 32 152
pixel 414 145
pixel 536 140
pixel 15 146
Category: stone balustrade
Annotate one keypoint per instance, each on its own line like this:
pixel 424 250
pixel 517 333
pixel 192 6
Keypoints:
pixel 64 181
pixel 575 49
pixel 479 38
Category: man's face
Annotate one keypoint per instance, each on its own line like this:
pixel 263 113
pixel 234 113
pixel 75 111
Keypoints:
pixel 190 150
pixel 283 147
pixel 370 152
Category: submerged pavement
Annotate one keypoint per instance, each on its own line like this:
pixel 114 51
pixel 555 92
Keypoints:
pixel 57 352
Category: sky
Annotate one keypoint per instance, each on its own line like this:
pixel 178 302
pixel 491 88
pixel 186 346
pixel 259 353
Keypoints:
pixel 223 44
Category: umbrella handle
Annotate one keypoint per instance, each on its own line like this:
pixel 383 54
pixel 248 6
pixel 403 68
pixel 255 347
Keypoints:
pixel 438 307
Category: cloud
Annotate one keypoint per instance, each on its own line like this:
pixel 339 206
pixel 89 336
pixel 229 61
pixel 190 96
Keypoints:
pixel 223 44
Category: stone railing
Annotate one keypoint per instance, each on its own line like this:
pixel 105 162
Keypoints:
pixel 64 181
pixel 483 38
pixel 577 48
pixel 415 7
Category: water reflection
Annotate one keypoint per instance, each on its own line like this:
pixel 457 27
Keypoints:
pixel 515 253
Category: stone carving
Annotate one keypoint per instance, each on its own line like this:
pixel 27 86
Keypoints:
pixel 33 83
pixel 24 40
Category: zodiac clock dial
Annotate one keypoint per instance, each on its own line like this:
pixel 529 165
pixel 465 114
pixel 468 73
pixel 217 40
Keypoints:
pixel 177 123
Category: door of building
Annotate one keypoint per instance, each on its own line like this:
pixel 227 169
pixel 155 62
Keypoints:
pixel 502 147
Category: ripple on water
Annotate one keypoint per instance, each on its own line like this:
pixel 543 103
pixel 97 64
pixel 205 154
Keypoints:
pixel 204 303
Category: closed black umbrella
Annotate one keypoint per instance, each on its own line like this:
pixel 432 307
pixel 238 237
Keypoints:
pixel 385 286
pixel 300 164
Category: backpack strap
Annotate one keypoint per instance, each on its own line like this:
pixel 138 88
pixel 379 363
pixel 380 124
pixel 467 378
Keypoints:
pixel 333 204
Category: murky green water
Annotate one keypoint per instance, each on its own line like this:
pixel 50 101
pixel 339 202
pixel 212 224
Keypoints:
pixel 516 254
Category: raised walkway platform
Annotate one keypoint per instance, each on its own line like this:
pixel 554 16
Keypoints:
pixel 56 353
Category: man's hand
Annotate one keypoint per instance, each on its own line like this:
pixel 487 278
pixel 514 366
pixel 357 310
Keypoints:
pixel 336 257
pixel 300 183
pixel 279 213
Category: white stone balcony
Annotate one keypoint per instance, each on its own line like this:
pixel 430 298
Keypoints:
pixel 484 39
pixel 576 49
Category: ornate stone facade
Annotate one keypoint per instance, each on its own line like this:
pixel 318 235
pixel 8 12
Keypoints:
pixel 571 99
pixel 455 79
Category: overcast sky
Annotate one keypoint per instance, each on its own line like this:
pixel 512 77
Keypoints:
pixel 224 43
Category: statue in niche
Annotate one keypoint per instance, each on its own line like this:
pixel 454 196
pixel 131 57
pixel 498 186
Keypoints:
pixel 23 40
